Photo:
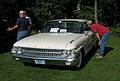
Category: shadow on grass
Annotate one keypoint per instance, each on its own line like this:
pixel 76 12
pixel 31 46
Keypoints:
pixel 92 53
pixel 54 67
pixel 88 56
pixel 107 50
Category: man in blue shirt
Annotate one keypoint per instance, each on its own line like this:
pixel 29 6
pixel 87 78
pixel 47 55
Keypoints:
pixel 22 24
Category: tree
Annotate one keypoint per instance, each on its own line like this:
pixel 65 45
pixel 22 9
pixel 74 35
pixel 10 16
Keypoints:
pixel 95 10
pixel 106 11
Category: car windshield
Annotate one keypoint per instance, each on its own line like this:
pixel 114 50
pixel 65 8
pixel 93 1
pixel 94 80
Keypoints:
pixel 64 27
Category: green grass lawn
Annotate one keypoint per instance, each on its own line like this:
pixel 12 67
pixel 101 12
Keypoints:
pixel 95 70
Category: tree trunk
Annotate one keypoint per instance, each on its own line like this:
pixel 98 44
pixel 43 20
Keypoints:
pixel 95 10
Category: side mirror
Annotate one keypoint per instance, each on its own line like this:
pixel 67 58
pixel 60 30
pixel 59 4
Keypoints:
pixel 86 32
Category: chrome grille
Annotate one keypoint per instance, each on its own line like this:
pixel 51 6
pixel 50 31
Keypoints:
pixel 32 52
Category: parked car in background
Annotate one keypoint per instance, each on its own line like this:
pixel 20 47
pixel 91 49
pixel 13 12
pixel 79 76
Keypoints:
pixel 62 42
pixel 7 39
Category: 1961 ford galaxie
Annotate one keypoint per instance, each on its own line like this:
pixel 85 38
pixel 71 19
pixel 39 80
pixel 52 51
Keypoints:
pixel 62 42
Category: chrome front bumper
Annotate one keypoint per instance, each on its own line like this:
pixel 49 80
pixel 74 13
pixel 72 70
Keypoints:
pixel 48 61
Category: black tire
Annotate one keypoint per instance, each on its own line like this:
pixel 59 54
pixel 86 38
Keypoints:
pixel 80 60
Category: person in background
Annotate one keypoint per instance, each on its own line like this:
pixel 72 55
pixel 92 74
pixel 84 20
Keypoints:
pixel 30 22
pixel 22 24
pixel 102 33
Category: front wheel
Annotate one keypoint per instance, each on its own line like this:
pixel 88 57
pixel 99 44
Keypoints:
pixel 80 60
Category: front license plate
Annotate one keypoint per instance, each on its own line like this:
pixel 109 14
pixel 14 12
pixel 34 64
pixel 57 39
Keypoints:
pixel 40 62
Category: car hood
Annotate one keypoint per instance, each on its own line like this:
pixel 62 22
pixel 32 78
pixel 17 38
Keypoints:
pixel 50 41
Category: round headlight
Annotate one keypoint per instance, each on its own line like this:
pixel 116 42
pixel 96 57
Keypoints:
pixel 19 51
pixel 68 53
pixel 64 53
pixel 14 50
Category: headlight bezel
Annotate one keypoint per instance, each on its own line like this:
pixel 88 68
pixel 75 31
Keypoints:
pixel 68 53
pixel 16 50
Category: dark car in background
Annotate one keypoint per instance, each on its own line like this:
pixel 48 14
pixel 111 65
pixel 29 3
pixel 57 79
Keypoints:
pixel 6 38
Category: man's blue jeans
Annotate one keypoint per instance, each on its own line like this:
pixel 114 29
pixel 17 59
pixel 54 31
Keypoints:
pixel 21 35
pixel 103 42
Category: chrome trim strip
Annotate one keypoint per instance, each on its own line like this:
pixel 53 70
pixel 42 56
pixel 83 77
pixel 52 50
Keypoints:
pixel 62 59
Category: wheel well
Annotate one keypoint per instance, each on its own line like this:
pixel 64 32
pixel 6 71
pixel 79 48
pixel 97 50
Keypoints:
pixel 82 51
pixel 83 57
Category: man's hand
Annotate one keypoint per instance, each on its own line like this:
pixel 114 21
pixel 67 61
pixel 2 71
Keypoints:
pixel 9 29
pixel 98 37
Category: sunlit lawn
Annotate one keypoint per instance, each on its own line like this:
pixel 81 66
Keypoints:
pixel 95 70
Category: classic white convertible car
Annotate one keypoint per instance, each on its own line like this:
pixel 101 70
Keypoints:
pixel 62 42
